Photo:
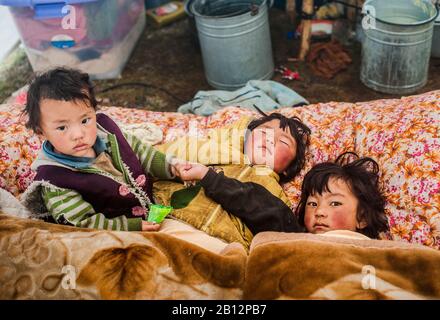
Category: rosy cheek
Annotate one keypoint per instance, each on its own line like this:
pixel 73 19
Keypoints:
pixel 282 160
pixel 308 220
pixel 341 219
pixel 93 133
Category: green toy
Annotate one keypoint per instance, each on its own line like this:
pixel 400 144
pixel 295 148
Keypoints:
pixel 158 212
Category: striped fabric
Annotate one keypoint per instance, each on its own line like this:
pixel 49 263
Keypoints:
pixel 68 206
pixel 153 161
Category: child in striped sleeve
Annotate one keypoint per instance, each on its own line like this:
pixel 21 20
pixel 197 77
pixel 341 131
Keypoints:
pixel 88 172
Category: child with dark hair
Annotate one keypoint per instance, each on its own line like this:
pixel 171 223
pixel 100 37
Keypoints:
pixel 89 173
pixel 289 134
pixel 343 195
pixel 239 194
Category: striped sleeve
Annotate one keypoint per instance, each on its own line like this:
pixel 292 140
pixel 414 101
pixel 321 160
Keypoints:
pixel 68 207
pixel 153 161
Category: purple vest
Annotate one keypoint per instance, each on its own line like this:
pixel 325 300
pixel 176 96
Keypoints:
pixel 101 192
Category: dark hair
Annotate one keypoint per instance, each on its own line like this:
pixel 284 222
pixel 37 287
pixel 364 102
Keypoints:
pixel 299 131
pixel 57 84
pixel 362 177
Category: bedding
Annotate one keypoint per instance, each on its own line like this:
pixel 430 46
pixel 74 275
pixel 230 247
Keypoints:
pixel 402 135
pixel 39 260
pixel 335 266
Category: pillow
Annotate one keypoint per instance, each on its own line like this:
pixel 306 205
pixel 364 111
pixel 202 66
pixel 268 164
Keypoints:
pixel 403 137
pixel 18 149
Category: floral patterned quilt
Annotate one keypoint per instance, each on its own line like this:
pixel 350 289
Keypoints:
pixel 403 135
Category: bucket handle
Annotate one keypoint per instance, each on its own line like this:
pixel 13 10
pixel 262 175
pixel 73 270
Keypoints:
pixel 255 9
pixel 435 3
pixel 437 6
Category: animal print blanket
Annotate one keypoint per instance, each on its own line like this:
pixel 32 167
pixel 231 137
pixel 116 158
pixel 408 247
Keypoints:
pixel 39 260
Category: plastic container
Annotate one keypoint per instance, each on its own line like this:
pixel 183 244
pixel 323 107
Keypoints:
pixel 234 38
pixel 95 36
pixel 435 50
pixel 397 47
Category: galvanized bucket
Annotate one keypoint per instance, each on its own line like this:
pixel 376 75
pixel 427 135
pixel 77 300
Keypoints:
pixel 397 44
pixel 435 50
pixel 234 38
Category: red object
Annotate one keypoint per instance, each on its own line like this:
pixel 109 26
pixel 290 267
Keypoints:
pixel 288 74
pixel 21 98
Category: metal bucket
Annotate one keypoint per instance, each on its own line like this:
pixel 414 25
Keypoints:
pixel 435 50
pixel 397 44
pixel 191 22
pixel 234 38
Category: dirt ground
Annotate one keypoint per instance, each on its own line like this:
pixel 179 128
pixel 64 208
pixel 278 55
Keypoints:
pixel 170 58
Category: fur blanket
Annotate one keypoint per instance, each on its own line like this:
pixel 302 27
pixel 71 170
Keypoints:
pixel 306 266
pixel 39 260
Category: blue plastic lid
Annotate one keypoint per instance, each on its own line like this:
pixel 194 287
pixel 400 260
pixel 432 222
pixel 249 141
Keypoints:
pixel 45 9
pixel 33 3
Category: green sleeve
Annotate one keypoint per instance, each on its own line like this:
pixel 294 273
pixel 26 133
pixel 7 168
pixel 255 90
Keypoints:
pixel 153 161
pixel 68 207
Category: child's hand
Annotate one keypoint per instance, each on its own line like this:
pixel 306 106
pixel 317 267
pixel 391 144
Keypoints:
pixel 150 226
pixel 196 171
pixel 178 165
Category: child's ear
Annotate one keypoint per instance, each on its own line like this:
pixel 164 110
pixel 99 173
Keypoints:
pixel 40 134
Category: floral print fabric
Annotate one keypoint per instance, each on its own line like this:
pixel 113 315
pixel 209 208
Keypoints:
pixel 402 135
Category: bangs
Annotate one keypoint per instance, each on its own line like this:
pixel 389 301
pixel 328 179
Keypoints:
pixel 317 181
pixel 284 123
pixel 58 93
pixel 318 185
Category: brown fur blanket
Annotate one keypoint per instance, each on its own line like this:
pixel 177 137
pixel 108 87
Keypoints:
pixel 40 260
pixel 307 266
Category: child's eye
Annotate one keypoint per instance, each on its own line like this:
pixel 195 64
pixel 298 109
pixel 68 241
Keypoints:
pixel 62 128
pixel 285 142
pixel 85 121
pixel 312 204
pixel 335 204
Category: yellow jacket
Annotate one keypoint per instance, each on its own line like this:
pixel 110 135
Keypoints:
pixel 223 149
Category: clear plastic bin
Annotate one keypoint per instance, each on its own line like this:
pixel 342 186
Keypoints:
pixel 95 36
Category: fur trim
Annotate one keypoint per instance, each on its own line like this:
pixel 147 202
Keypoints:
pixel 33 201
pixel 12 206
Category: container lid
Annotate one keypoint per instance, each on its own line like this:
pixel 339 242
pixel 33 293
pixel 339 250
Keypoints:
pixel 45 9
pixel 409 13
pixel 33 3
pixel 224 8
